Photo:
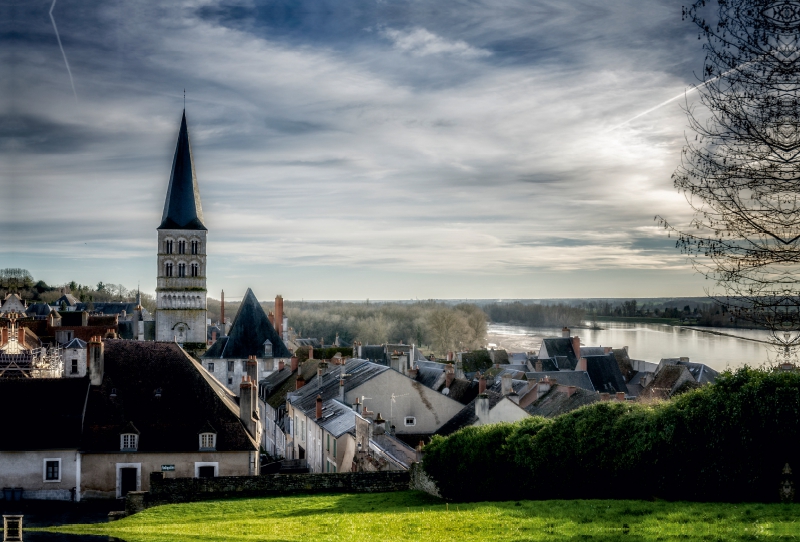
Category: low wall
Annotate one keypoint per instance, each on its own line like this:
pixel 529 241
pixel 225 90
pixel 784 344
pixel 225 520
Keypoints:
pixel 173 490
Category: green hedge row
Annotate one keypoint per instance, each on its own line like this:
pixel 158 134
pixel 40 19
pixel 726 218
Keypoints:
pixel 724 442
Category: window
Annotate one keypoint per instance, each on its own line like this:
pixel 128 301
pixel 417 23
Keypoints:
pixel 267 348
pixel 328 446
pixel 168 246
pixel 206 470
pixel 296 426
pixel 230 380
pixel 211 367
pixel 52 470
pixel 74 368
pixel 181 269
pixel 208 441
pixel 195 247
pixel 195 270
pixel 410 420
pixel 181 247
pixel 334 449
pixel 230 366
pixel 244 366
pixel 128 442
pixel 168 269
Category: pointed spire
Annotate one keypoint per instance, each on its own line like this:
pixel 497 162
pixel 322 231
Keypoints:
pixel 182 208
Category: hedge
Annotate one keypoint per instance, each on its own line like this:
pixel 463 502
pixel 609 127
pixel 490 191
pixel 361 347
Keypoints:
pixel 725 442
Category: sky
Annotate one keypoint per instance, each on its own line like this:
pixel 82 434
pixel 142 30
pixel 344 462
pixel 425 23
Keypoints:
pixel 352 149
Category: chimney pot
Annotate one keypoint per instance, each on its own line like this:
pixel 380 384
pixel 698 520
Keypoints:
pixel 294 363
pixel 319 406
pixel 539 366
pixel 505 384
pixel 620 396
pixel 299 383
pixel 571 390
pixel 281 365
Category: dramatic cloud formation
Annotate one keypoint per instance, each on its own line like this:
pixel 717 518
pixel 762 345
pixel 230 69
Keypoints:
pixel 351 148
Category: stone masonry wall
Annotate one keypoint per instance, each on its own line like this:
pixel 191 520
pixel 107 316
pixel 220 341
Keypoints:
pixel 173 490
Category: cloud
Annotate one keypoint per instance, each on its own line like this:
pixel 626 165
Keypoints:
pixel 420 42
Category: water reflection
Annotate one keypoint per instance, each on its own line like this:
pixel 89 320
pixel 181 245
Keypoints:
pixel 651 342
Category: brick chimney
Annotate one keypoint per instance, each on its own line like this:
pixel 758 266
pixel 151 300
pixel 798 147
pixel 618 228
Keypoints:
pixel 505 384
pixel 310 352
pixel 581 366
pixel 412 373
pixel 21 336
pixel 380 425
pixel 213 337
pixel 605 397
pixel 281 365
pixel 481 384
pixel 607 349
pixel 449 375
pixel 319 407
pixel 565 332
pixel 279 315
pixel 357 406
pixel 4 336
pixel 300 382
pixel 538 366
pixel 620 396
pixel 571 390
pixel 482 408
pixel 96 360
pixel 271 317
pixel 252 368
pixel 295 363
pixel 247 406
pixel 576 346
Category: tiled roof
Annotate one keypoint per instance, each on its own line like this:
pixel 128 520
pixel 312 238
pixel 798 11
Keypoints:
pixel 42 413
pixel 190 398
pixel 248 333
pixel 182 207
pixel 565 378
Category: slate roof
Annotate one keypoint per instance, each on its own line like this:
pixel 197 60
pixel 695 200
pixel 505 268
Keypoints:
pixel 182 207
pixel 624 363
pixel 269 384
pixel 68 299
pixel 579 379
pixel 276 396
pixel 337 419
pixel 38 309
pixel 466 416
pixel 190 399
pixel 561 347
pixel 360 371
pixel 605 374
pixel 702 373
pixel 432 375
pixel 75 343
pixel 109 308
pixel 250 329
pixel 42 413
pixel 519 386
pixel 375 353
pixel 555 402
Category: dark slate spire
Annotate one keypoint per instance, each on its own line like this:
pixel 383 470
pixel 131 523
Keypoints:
pixel 182 209
pixel 250 329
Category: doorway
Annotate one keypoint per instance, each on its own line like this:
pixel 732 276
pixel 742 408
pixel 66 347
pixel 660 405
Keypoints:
pixel 301 453
pixel 127 480
pixel 205 472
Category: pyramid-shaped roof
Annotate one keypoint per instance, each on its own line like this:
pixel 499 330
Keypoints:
pixel 182 208
pixel 250 329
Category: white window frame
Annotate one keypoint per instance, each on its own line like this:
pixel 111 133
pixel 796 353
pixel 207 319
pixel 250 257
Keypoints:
pixel 44 469
pixel 210 366
pixel 413 421
pixel 120 466
pixel 199 464
pixel 133 448
pixel 213 441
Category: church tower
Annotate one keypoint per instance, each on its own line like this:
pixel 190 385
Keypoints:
pixel 181 292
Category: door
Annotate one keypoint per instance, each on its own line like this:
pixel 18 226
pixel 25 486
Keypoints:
pixel 205 472
pixel 127 480
pixel 301 453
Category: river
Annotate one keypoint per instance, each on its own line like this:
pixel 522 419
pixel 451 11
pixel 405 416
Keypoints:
pixel 651 342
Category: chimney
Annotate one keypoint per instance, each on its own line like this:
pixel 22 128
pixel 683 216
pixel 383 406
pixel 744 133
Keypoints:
pixel 96 360
pixel 576 346
pixel 4 336
pixel 538 366
pixel 620 396
pixel 481 384
pixel 565 332
pixel 505 384
pixel 482 408
pixel 321 371
pixel 581 366
pixel 571 390
pixel 213 337
pixel 246 405
pixel 281 365
pixel 279 315
pixel 449 375
pixel 607 349
pixel 357 406
pixel 341 386
pixel 412 373
pixel 222 313
pixel 319 407
pixel 294 363
pixel 300 382
pixel 285 328
pixel 310 352
pixel 252 368
pixel 271 317
pixel 21 336
pixel 380 425
pixel 605 397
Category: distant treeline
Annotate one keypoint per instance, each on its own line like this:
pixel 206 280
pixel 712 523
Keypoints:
pixel 534 315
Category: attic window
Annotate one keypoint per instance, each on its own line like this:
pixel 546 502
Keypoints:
pixel 410 420
pixel 211 367
pixel 128 442
pixel 267 348
pixel 208 441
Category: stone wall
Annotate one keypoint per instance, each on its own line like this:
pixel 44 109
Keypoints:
pixel 421 481
pixel 172 490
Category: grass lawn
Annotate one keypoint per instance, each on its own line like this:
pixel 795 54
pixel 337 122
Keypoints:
pixel 412 515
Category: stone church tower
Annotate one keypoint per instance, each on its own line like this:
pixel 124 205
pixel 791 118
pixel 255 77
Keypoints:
pixel 181 291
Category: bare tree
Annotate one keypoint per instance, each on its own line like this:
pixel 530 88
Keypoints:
pixel 741 170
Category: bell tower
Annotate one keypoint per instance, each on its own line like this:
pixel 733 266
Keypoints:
pixel 181 291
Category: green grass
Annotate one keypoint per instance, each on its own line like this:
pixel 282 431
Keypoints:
pixel 411 515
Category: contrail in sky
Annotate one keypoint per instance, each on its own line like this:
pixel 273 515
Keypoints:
pixel 52 19
pixel 679 96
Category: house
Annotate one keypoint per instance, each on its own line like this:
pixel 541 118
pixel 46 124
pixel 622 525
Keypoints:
pixel 488 407
pixel 12 303
pixel 605 373
pixel 558 354
pixel 75 354
pixel 579 379
pixel 41 438
pixel 152 408
pixel 557 399
pixel 672 376
pixel 442 378
pixel 251 336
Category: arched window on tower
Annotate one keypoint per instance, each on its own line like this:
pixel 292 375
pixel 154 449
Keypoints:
pixel 181 247
pixel 195 246
pixel 181 269
pixel 168 269
pixel 168 246
pixel 195 268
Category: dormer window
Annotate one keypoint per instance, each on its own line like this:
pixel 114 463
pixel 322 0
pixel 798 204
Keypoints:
pixel 267 348
pixel 128 442
pixel 208 441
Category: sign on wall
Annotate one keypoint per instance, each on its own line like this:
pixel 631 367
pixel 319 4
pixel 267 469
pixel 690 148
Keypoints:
pixel 165 468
